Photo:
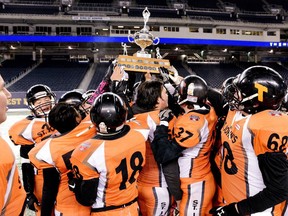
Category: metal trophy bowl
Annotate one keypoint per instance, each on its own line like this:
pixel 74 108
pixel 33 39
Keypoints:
pixel 143 38
pixel 142 61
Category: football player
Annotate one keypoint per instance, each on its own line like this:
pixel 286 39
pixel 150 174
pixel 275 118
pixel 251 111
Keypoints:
pixel 191 143
pixel 106 167
pixel 55 152
pixel 31 130
pixel 12 194
pixel 254 171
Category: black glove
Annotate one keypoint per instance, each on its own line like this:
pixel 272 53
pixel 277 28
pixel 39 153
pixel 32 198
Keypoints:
pixel 109 72
pixel 229 210
pixel 30 200
pixel 165 115
pixel 73 182
pixel 165 74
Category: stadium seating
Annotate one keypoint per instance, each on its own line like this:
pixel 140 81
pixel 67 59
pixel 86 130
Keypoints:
pixel 215 74
pixel 30 9
pixel 151 2
pixel 203 4
pixel 11 69
pixel 58 75
pixel 100 72
pixel 247 5
pixel 278 3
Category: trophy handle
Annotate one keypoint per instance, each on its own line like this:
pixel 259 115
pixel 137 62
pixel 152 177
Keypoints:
pixel 157 41
pixel 129 38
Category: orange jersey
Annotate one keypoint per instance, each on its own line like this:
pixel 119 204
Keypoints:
pixel 39 165
pixel 195 131
pixel 12 194
pixel 151 174
pixel 243 139
pixel 154 196
pixel 116 163
pixel 56 152
pixel 29 131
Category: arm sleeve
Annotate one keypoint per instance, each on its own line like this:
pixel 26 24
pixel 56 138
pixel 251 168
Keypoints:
pixel 103 87
pixel 86 191
pixel 164 150
pixel 24 150
pixel 217 101
pixel 51 181
pixel 120 88
pixel 172 177
pixel 274 169
pixel 28 177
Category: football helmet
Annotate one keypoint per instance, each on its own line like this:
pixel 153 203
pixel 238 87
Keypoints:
pixel 88 94
pixel 74 97
pixel 36 92
pixel 284 104
pixel 259 88
pixel 226 83
pixel 192 89
pixel 108 113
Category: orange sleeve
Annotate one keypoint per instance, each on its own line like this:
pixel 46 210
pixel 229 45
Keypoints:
pixel 16 130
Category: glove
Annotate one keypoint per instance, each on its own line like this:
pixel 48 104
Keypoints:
pixel 165 116
pixel 229 210
pixel 165 74
pixel 175 77
pixel 30 200
pixel 109 71
pixel 72 183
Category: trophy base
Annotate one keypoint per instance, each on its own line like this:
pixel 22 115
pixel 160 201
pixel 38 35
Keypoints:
pixel 142 64
pixel 142 55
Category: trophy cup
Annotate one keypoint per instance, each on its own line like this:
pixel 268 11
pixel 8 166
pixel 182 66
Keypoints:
pixel 143 38
pixel 141 61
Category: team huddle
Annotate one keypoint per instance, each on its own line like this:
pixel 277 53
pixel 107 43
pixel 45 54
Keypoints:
pixel 169 146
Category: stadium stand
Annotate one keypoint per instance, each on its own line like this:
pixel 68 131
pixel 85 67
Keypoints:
pixel 100 72
pixel 58 75
pixel 215 74
pixel 30 9
pixel 246 5
pixel 197 11
pixel 11 69
pixel 208 4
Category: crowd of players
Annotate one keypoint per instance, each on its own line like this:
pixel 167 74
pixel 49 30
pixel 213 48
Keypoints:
pixel 170 146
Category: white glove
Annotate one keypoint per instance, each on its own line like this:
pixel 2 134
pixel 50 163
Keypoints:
pixel 175 77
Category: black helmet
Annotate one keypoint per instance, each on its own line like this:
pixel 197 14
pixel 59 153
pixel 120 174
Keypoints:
pixel 259 88
pixel 88 94
pixel 36 92
pixel 284 104
pixel 226 83
pixel 108 113
pixel 192 89
pixel 74 97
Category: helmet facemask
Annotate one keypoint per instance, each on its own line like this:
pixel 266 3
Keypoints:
pixel 43 109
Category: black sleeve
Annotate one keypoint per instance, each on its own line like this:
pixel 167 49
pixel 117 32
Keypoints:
pixel 24 150
pixel 173 105
pixel 164 150
pixel 217 101
pixel 51 180
pixel 120 88
pixel 28 177
pixel 172 177
pixel 274 169
pixel 86 191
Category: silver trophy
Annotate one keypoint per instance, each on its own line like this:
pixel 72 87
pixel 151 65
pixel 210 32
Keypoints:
pixel 143 38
